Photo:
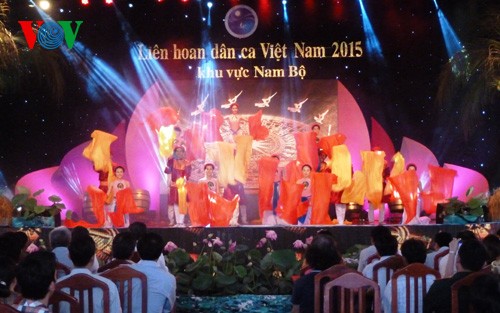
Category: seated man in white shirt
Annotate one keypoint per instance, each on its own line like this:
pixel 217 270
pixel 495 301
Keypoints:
pixel 413 251
pixel 161 284
pixel 386 248
pixel 377 233
pixel 82 253
pixel 441 241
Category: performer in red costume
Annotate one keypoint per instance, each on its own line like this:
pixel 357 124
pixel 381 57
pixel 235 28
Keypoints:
pixel 177 167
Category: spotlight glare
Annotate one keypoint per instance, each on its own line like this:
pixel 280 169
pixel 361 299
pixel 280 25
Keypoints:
pixel 85 2
pixel 283 2
pixel 130 5
pixel 109 2
pixel 44 5
pixel 209 4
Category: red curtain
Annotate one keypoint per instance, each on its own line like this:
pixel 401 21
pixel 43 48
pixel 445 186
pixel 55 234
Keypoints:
pixel 267 171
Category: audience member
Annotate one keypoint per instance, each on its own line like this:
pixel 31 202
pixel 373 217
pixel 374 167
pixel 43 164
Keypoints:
pixel 59 239
pixel 413 250
pixel 36 279
pixel 471 258
pixel 82 253
pixel 138 230
pixel 377 233
pixel 386 248
pixel 161 284
pixel 7 280
pixel 13 244
pixel 492 245
pixel 485 294
pixel 81 232
pixel 122 249
pixel 447 266
pixel 441 241
pixel 320 255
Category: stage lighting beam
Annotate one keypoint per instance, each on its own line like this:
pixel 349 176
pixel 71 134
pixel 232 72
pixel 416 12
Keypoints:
pixel 44 5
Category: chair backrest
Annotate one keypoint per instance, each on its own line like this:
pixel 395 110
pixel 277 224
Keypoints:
pixel 59 297
pixel 415 276
pixel 123 276
pixel 372 258
pixel 82 286
pixel 62 270
pixel 455 288
pixel 5 308
pixel 351 294
pixel 438 257
pixel 114 263
pixel 324 276
pixel 383 270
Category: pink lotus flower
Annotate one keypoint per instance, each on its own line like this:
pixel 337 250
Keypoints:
pixel 217 242
pixel 261 243
pixel 170 246
pixel 32 248
pixel 271 234
pixel 298 244
pixel 232 247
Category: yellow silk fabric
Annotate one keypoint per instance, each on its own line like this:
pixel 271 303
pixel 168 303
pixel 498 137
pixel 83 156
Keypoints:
pixel 373 166
pixel 222 153
pixel 242 157
pixel 181 190
pixel 341 166
pixel 356 191
pixel 166 137
pixel 99 152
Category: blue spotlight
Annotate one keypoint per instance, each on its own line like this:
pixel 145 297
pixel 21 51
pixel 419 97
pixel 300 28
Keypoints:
pixel 451 40
pixel 285 11
pixel 372 44
pixel 209 5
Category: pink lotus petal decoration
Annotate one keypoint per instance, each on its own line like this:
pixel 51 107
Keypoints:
pixel 379 138
pixel 467 178
pixel 352 124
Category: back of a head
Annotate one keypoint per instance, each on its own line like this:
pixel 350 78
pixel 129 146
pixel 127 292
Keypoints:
pixel 379 232
pixel 322 253
pixel 413 250
pixel 386 246
pixel 492 245
pixel 81 250
pixel 466 235
pixel 472 255
pixel 59 237
pixel 150 246
pixel 485 294
pixel 79 231
pixel 35 274
pixel 7 275
pixel 138 229
pixel 443 239
pixel 13 243
pixel 123 246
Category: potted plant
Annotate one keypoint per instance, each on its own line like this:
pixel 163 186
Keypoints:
pixel 461 212
pixel 28 213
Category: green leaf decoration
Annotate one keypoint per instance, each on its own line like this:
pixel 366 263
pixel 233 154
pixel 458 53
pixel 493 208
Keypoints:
pixel 38 192
pixel 202 282
pixel 22 189
pixel 223 280
pixel 39 209
pixel 240 271
pixel 55 198
pixel 19 199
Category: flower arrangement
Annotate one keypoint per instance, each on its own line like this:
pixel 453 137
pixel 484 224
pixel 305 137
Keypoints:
pixel 221 269
pixel 459 212
pixel 29 213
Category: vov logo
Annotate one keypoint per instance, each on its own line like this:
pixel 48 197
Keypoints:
pixel 50 34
